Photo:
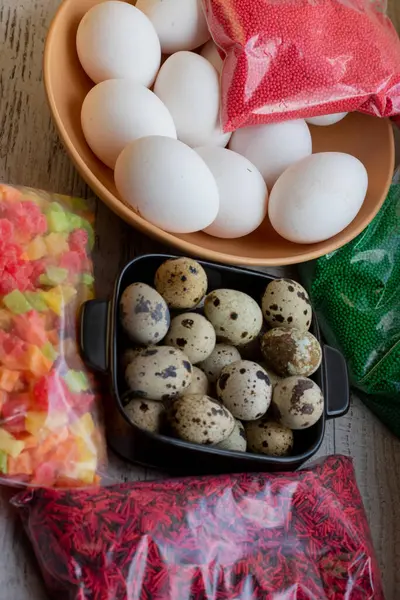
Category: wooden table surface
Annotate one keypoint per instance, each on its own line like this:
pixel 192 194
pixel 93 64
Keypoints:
pixel 31 154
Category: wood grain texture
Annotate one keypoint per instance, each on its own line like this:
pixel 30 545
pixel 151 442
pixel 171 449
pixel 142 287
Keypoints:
pixel 31 154
pixel 394 12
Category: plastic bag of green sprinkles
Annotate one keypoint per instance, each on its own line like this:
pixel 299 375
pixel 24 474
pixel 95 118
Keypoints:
pixel 355 292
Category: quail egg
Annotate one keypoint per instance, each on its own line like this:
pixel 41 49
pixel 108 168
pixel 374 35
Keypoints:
pixel 220 357
pixel 146 414
pixel 144 314
pixel 236 317
pixel 291 352
pixel 298 402
pixel 286 304
pixel 245 389
pixel 199 383
pixel 159 373
pixel 269 437
pixel 200 419
pixel 182 282
pixel 193 334
pixel 237 441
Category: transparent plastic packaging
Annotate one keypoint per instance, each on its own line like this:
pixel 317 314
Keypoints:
pixel 289 59
pixel 355 292
pixel 292 536
pixel 50 432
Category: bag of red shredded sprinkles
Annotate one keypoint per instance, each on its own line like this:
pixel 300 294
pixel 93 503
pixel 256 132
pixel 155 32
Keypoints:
pixel 289 59
pixel 292 536
pixel 49 421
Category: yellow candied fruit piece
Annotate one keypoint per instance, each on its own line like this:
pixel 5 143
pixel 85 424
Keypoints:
pixel 56 420
pixel 85 468
pixel 35 421
pixel 9 444
pixel 36 249
pixel 68 292
pixel 87 453
pixel 56 243
pixel 84 427
pixel 85 475
pixel 58 297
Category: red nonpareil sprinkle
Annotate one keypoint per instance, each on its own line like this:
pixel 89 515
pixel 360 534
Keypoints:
pixel 289 59
pixel 295 536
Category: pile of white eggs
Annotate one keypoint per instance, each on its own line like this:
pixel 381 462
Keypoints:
pixel 166 145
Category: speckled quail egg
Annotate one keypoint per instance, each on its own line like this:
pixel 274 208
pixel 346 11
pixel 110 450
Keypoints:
pixel 269 437
pixel 159 373
pixel 291 352
pixel 193 334
pixel 199 383
pixel 236 317
pixel 298 402
pixel 245 389
pixel 220 357
pixel 200 419
pixel 144 314
pixel 146 414
pixel 237 441
pixel 182 282
pixel 286 304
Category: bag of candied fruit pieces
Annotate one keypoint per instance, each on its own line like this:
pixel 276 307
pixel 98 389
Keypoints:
pixel 50 433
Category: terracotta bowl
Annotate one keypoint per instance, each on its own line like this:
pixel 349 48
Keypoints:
pixel 369 139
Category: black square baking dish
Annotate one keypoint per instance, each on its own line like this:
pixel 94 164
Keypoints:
pixel 103 340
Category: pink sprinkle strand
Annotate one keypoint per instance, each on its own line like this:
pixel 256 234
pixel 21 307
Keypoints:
pixel 289 59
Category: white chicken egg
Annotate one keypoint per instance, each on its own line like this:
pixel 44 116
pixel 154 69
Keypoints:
pixel 167 183
pixel 189 87
pixel 210 53
pixel 318 197
pixel 273 148
pixel 179 25
pixel 326 120
pixel 119 111
pixel 115 40
pixel 243 195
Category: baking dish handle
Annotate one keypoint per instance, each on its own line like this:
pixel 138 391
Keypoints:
pixel 94 334
pixel 337 399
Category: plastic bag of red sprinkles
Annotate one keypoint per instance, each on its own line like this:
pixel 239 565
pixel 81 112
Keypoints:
pixel 292 536
pixel 289 59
